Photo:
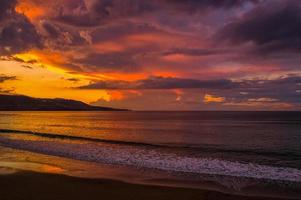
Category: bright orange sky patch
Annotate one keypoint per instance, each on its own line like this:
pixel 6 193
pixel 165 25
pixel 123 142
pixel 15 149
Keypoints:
pixel 30 9
pixel 213 99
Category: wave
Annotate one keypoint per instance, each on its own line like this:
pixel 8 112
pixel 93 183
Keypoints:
pixel 154 159
pixel 202 148
pixel 71 137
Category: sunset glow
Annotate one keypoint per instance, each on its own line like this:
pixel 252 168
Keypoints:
pixel 183 55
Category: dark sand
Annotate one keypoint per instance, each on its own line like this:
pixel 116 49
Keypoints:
pixel 39 186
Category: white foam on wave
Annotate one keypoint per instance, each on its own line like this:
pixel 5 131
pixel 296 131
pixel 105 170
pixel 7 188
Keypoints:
pixel 154 159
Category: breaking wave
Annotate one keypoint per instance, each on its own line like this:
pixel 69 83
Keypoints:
pixel 152 158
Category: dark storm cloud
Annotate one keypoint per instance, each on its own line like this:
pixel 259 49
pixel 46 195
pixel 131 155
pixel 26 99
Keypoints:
pixel 156 82
pixel 81 20
pixel 16 31
pixel 6 8
pixel 282 89
pixel 270 28
pixel 59 36
pixel 173 83
pixel 99 12
pixel 116 8
pixel 19 36
pixel 196 52
pixel 119 30
pixel 124 62
pixel 85 20
pixel 4 78
pixel 51 30
pixel 204 4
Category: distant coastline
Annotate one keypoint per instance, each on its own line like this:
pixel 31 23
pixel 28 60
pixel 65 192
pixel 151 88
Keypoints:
pixel 25 103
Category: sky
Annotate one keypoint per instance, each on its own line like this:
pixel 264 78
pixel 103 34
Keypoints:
pixel 154 54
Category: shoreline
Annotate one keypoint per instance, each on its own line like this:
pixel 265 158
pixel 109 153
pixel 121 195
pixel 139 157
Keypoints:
pixel 33 185
pixel 14 163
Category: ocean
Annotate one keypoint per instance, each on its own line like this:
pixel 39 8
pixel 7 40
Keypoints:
pixel 254 147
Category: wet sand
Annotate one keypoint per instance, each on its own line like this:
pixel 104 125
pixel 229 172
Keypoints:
pixel 24 185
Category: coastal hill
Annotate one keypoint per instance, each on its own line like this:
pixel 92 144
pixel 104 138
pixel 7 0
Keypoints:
pixel 26 103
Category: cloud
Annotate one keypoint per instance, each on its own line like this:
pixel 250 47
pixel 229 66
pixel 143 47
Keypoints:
pixel 213 99
pixel 17 59
pixel 7 6
pixel 195 5
pixel 265 91
pixel 16 31
pixel 73 79
pixel 245 51
pixel 4 78
pixel 20 33
pixel 270 28
pixel 156 82
pixel 195 51
pixel 95 12
pixel 51 30
pixel 122 30
pixel 269 94
pixel 109 62
pixel 18 36
pixel 6 91
pixel 62 37
pixel 263 99
pixel 250 105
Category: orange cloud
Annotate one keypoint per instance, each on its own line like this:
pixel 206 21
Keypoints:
pixel 143 39
pixel 116 95
pixel 133 41
pixel 131 76
pixel 178 58
pixel 106 47
pixel 43 59
pixel 125 77
pixel 53 62
pixel 146 37
pixel 30 9
pixel 213 99
pixel 112 96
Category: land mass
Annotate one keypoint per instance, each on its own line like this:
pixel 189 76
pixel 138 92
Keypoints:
pixel 26 103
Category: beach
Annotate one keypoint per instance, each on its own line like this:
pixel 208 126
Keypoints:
pixel 26 175
pixel 36 186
